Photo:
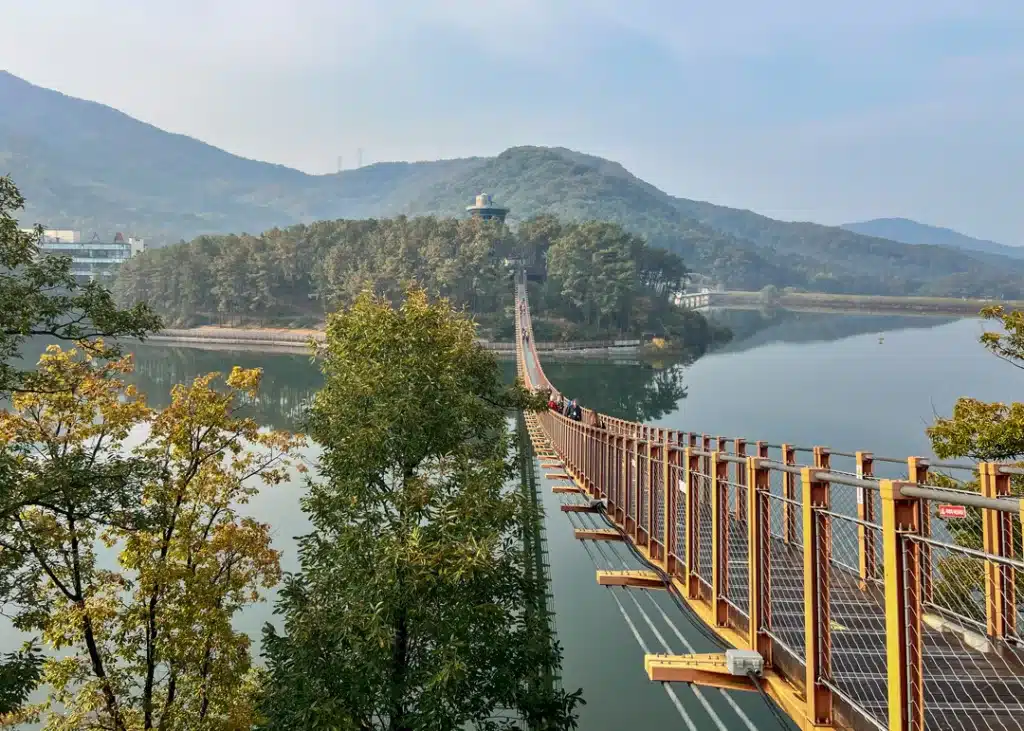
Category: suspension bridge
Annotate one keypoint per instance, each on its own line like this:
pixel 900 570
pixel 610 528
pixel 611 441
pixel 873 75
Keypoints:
pixel 853 590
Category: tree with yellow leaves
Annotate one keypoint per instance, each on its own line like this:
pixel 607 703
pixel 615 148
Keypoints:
pixel 39 296
pixel 146 642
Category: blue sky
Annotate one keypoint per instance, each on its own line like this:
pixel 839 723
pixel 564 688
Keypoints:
pixel 826 111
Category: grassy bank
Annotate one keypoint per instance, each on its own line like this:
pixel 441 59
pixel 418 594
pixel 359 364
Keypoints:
pixel 819 300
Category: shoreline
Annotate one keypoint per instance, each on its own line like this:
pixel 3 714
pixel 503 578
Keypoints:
pixel 297 340
pixel 862 303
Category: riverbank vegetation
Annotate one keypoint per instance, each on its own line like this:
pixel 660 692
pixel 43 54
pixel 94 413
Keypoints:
pixel 790 298
pixel 600 281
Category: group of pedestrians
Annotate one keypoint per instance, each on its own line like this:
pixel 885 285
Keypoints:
pixel 572 410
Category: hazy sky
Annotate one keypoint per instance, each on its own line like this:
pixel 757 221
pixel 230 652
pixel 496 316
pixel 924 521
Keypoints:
pixel 817 110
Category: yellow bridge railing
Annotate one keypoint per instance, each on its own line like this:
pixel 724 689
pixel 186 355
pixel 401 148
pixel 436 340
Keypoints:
pixel 875 603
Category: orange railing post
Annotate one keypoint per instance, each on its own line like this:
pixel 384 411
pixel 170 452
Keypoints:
pixel 650 452
pixel 719 538
pixel 917 472
pixel 865 512
pixel 901 517
pixel 817 624
pixel 789 493
pixel 759 553
pixel 822 458
pixel 668 504
pixel 997 538
pixel 691 477
pixel 739 448
pixel 629 485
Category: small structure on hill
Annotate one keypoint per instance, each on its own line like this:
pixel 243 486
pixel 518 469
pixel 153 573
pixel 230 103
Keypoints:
pixel 485 208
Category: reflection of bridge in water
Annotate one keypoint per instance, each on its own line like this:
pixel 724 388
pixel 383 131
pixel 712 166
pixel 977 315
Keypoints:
pixel 835 570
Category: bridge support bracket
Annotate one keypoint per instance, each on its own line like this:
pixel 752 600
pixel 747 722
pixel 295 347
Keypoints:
pixel 597 534
pixel 726 670
pixel 638 579
pixel 579 508
pixel 566 490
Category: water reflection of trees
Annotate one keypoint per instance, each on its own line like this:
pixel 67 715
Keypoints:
pixel 635 390
pixel 289 380
pixel 753 328
pixel 627 389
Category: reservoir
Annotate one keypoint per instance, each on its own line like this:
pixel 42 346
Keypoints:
pixel 847 381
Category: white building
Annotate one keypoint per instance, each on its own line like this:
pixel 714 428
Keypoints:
pixel 92 259
pixel 61 236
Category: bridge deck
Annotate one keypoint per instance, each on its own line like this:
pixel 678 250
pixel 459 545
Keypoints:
pixel 966 689
pixel 968 680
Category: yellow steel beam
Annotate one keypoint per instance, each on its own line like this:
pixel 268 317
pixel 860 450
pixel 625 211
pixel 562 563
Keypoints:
pixel 558 477
pixel 598 534
pixel 702 669
pixel 565 489
pixel 579 508
pixel 640 579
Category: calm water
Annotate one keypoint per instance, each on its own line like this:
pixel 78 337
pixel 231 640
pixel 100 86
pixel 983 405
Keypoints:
pixel 805 379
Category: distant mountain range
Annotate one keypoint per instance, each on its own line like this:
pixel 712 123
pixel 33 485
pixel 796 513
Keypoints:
pixel 912 232
pixel 86 166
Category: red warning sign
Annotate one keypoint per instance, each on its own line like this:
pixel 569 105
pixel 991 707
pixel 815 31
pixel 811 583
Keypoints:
pixel 952 511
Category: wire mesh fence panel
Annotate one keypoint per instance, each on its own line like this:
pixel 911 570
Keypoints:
pixel 765 548
pixel 854 620
pixel 842 500
pixel 786 576
pixel 737 573
pixel 704 517
pixel 643 487
pixel 969 679
pixel 785 518
pixel 615 472
pixel 658 493
pixel 845 535
pixel 678 484
pixel 629 496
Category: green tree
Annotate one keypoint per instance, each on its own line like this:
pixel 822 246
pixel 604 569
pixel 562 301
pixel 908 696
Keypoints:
pixel 19 673
pixel 987 432
pixel 147 642
pixel 594 268
pixel 409 610
pixel 40 297
pixel 770 295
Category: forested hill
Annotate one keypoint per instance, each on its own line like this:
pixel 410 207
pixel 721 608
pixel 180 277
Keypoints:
pixel 912 232
pixel 599 280
pixel 86 166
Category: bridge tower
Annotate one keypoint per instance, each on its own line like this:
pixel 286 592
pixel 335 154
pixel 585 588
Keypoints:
pixel 485 208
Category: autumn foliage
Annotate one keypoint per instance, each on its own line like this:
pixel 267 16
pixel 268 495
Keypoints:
pixel 145 640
